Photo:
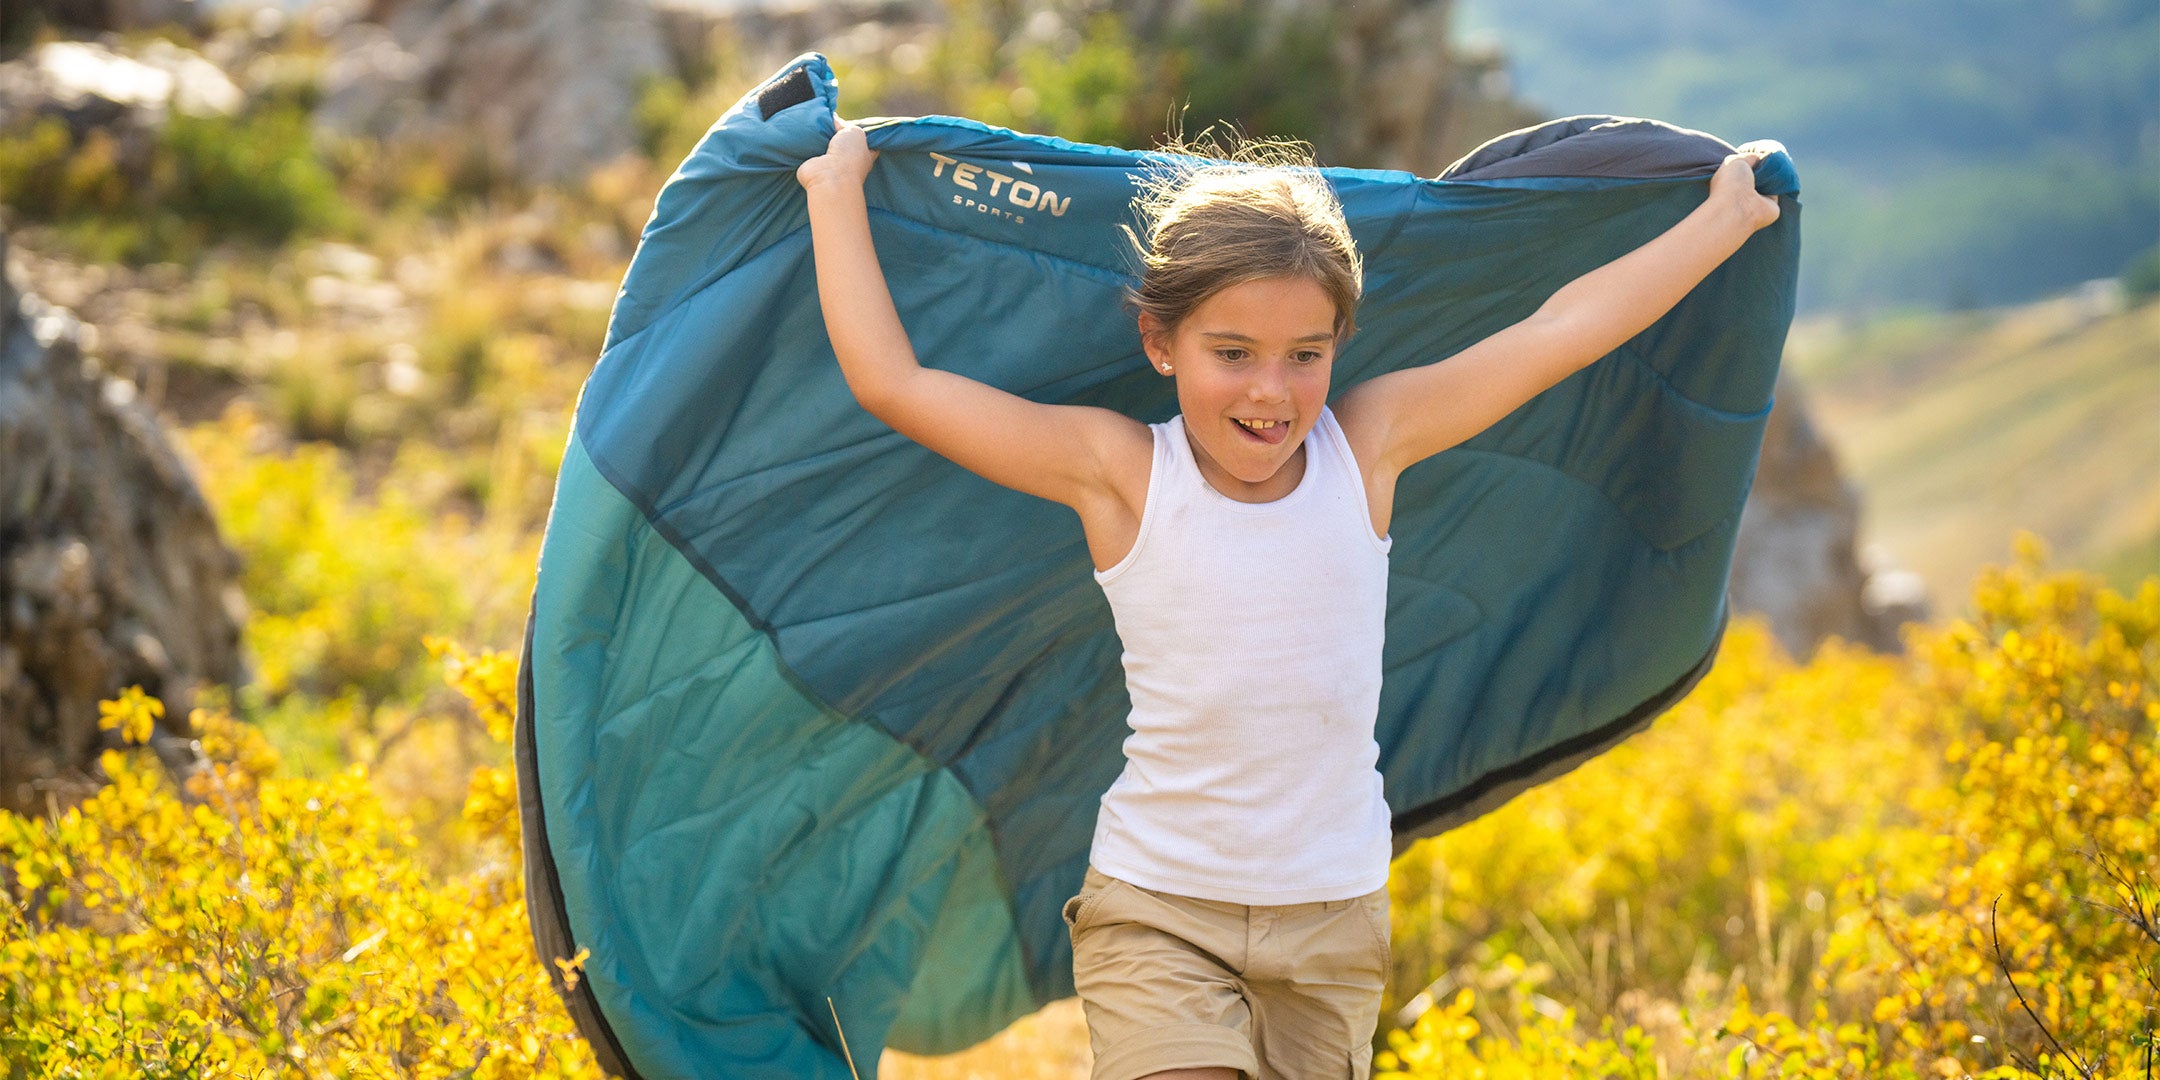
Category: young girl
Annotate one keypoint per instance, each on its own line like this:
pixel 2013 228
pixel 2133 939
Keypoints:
pixel 1234 920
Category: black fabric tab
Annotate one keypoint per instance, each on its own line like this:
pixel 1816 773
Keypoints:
pixel 790 89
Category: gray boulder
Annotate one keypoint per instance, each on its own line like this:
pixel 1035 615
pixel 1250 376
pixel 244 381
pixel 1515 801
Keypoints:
pixel 544 89
pixel 111 570
pixel 1798 561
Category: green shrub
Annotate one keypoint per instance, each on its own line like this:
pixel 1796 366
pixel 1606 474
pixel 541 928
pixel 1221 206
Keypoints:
pixel 258 175
pixel 255 176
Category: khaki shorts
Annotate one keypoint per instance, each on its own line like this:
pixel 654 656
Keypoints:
pixel 1287 991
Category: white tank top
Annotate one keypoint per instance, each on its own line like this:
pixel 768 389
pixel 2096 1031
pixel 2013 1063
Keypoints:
pixel 1252 639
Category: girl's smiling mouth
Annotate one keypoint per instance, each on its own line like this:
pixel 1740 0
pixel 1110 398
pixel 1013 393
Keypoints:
pixel 1271 432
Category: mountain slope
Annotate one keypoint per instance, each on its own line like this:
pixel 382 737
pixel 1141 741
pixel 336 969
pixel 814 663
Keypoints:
pixel 1951 153
pixel 1961 429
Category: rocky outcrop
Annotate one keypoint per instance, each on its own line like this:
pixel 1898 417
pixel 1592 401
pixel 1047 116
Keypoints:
pixel 1415 100
pixel 111 570
pixel 1797 560
pixel 542 89
pixel 1405 96
pixel 1408 96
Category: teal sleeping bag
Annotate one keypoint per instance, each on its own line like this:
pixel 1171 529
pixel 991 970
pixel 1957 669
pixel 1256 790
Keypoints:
pixel 809 713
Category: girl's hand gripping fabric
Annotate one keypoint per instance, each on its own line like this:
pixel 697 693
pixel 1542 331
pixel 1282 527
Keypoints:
pixel 846 160
pixel 1733 186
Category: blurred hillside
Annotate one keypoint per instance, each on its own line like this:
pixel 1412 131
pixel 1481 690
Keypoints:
pixel 1962 428
pixel 1950 154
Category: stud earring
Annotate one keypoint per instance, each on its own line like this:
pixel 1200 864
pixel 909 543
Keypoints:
pixel 1166 369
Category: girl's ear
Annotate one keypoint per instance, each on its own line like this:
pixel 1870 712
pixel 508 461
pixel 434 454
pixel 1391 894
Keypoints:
pixel 1155 341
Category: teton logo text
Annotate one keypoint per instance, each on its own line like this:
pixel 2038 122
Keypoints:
pixel 997 193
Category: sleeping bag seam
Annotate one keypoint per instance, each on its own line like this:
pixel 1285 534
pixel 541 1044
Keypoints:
pixel 1642 715
pixel 683 295
pixel 1619 511
pixel 795 681
pixel 1665 384
pixel 1108 275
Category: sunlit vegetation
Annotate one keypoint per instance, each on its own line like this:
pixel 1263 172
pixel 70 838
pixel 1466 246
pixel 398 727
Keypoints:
pixel 251 922
pixel 1866 866
pixel 344 589
pixel 1940 865
pixel 254 177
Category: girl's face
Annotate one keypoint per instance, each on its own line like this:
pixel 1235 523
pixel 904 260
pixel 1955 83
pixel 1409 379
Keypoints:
pixel 1252 364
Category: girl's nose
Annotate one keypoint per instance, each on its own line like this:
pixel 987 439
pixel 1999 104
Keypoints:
pixel 1270 384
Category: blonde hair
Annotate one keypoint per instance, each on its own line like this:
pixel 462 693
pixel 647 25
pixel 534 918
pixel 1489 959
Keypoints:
pixel 1265 213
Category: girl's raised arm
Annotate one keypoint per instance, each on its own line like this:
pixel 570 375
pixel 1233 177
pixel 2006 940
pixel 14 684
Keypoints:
pixel 1065 453
pixel 1401 418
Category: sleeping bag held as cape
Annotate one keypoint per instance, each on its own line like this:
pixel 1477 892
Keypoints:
pixel 808 712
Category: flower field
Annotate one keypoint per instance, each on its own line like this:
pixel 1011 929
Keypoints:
pixel 1934 866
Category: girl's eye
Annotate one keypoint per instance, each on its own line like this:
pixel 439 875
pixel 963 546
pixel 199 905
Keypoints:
pixel 1232 355
pixel 1307 357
